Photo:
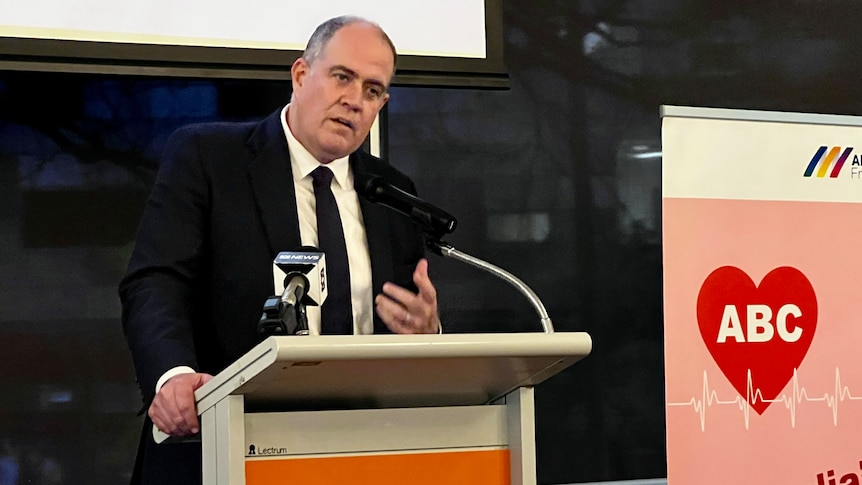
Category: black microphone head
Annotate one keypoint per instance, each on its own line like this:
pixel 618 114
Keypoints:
pixel 367 185
pixel 431 219
pixel 297 277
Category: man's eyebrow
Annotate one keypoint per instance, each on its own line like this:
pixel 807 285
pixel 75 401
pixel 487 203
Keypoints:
pixel 339 67
pixel 352 73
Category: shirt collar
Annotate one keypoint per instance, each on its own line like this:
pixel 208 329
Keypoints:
pixel 303 162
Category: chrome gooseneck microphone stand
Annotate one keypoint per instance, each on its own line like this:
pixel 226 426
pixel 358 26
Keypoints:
pixel 447 250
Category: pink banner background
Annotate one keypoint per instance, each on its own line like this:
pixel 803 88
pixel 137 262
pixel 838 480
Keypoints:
pixel 714 443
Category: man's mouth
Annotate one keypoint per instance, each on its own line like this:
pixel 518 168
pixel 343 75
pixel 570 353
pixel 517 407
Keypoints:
pixel 344 122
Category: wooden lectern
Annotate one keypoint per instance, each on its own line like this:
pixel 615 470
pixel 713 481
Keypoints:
pixel 383 409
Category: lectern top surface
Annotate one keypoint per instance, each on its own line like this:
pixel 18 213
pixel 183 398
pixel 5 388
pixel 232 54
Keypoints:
pixel 374 371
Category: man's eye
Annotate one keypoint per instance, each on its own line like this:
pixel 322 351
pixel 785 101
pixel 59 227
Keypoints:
pixel 374 92
pixel 342 77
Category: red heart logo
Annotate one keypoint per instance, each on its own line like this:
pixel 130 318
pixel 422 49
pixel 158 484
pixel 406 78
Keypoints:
pixel 765 330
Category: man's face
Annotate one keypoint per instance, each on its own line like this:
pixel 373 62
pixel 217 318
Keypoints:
pixel 336 99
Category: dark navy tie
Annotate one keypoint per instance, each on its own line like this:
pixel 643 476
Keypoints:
pixel 336 312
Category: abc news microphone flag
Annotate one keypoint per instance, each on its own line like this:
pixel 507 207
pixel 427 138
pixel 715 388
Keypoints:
pixel 762 214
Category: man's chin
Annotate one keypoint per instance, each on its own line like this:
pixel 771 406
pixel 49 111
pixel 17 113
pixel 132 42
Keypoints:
pixel 340 150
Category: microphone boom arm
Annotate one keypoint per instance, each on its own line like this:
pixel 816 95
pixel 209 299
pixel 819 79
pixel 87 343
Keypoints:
pixel 447 250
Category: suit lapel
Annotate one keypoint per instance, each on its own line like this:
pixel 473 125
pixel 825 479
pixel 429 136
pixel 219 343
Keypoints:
pixel 271 181
pixel 377 232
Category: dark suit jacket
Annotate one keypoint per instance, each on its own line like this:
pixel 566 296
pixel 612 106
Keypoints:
pixel 222 207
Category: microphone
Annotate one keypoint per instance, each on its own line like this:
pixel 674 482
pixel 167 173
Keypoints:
pixel 434 220
pixel 299 279
pixel 295 289
pixel 309 262
pixel 291 308
pixel 436 223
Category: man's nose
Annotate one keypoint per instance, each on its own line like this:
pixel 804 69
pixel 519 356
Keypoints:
pixel 352 95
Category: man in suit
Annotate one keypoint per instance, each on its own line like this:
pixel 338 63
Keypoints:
pixel 228 198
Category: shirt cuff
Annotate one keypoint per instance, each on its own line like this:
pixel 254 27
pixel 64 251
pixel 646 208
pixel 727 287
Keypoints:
pixel 182 369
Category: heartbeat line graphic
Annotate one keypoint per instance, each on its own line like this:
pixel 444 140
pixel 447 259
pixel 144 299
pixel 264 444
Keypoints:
pixel 709 398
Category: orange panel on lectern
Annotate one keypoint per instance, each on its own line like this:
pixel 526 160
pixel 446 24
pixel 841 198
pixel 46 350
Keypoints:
pixel 452 468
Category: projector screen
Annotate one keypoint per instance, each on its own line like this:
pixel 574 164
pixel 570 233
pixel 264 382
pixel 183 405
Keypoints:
pixel 439 42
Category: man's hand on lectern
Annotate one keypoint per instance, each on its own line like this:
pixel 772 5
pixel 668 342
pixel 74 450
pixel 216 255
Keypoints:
pixel 173 410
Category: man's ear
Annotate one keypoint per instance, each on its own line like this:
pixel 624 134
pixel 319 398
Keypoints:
pixel 298 71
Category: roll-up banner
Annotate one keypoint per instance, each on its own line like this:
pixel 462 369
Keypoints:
pixel 762 214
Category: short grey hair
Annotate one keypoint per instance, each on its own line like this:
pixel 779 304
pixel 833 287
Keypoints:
pixel 324 32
